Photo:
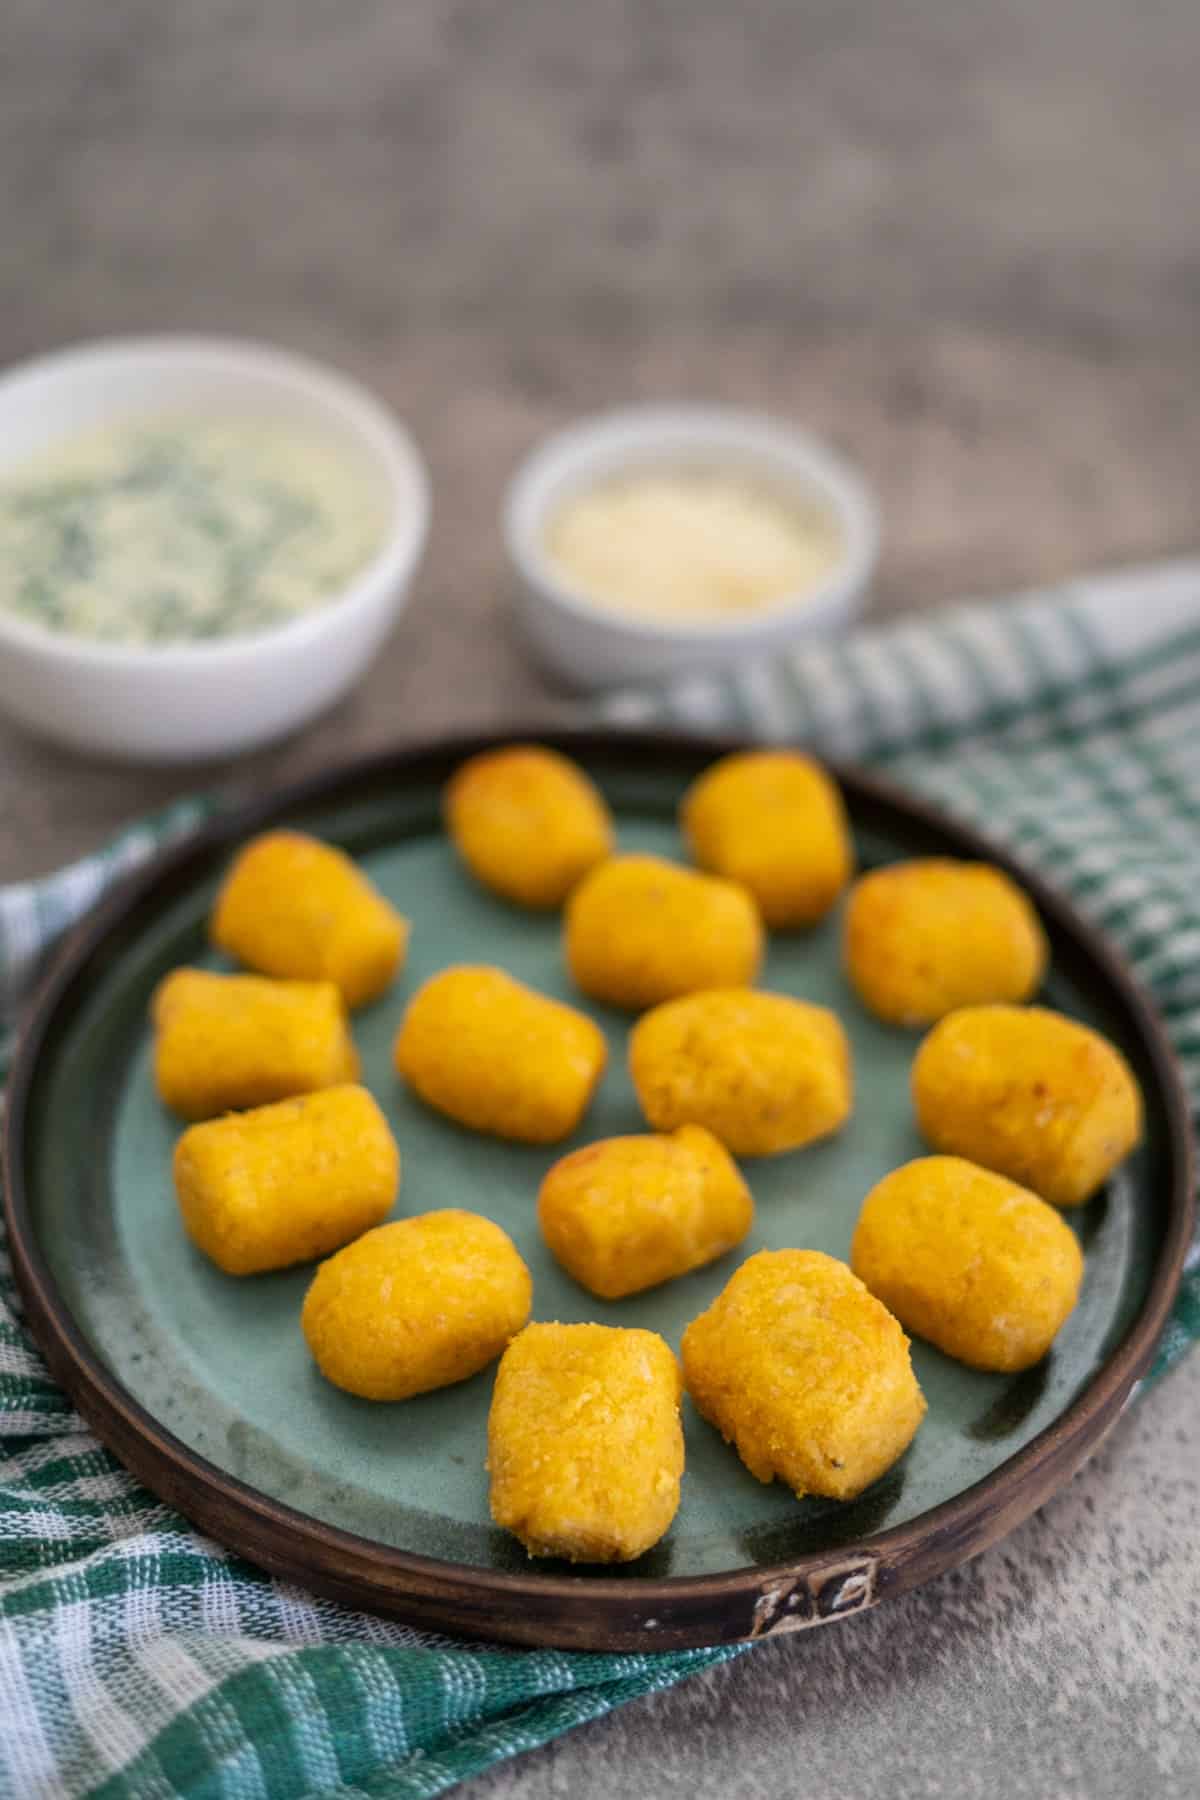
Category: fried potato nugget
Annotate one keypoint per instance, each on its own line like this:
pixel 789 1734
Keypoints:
pixel 631 1212
pixel 498 1057
pixel 292 906
pixel 805 1373
pixel 773 820
pixel 226 1041
pixel 927 936
pixel 527 822
pixel 967 1259
pixel 585 1447
pixel 762 1072
pixel 640 929
pixel 416 1304
pixel 1035 1096
pixel 286 1183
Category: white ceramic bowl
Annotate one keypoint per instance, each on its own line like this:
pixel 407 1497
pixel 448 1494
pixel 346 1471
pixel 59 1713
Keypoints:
pixel 591 647
pixel 184 702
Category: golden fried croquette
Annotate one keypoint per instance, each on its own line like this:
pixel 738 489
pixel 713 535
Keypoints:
pixel 498 1057
pixel 286 1183
pixel 773 820
pixel 805 1373
pixel 224 1041
pixel 416 1304
pixel 762 1072
pixel 585 1447
pixel 966 1258
pixel 1035 1096
pixel 640 930
pixel 631 1212
pixel 527 822
pixel 925 937
pixel 294 907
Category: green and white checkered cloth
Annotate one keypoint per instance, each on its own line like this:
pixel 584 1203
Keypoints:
pixel 139 1660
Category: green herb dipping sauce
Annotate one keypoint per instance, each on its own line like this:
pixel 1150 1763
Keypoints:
pixel 175 530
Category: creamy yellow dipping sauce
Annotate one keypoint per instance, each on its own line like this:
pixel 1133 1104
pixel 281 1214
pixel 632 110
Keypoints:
pixel 183 528
pixel 691 544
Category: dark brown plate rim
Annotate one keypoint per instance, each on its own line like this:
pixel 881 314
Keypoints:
pixel 585 1612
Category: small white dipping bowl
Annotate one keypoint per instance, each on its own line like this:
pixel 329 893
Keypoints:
pixel 590 646
pixel 187 701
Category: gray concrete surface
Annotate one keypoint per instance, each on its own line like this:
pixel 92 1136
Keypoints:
pixel 959 238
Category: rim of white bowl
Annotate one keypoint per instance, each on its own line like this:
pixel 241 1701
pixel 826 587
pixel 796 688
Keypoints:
pixel 381 431
pixel 599 447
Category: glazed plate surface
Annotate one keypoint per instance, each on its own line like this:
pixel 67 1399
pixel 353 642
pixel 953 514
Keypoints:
pixel 204 1384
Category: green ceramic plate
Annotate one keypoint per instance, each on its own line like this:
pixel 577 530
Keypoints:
pixel 204 1385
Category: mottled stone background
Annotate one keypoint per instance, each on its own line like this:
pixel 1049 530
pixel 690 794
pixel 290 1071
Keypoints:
pixel 961 238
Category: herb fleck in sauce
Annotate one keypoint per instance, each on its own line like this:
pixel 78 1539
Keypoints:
pixel 181 529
